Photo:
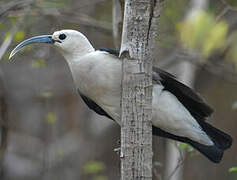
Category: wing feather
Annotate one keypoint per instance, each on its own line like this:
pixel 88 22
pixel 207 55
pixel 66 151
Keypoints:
pixel 192 101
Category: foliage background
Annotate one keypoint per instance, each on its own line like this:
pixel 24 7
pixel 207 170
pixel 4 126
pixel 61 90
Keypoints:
pixel 47 132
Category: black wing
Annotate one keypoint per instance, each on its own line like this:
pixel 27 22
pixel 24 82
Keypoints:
pixel 110 51
pixel 188 97
pixel 93 106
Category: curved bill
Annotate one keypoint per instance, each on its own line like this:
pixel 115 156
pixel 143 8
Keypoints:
pixel 36 39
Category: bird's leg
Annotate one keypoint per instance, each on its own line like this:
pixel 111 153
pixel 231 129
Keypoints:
pixel 118 150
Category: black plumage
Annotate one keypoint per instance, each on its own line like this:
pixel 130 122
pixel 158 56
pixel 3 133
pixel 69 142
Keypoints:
pixel 93 106
pixel 110 51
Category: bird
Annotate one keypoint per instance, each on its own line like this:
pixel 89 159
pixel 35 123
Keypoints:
pixel 178 112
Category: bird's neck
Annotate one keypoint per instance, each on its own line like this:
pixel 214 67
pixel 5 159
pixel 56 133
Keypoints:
pixel 78 53
pixel 73 59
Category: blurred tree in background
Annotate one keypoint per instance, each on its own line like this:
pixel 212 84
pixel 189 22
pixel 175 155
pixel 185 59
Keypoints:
pixel 47 132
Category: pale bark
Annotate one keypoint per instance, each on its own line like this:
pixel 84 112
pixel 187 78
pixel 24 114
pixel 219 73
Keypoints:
pixel 186 74
pixel 138 38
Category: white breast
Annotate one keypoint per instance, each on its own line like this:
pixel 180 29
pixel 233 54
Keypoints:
pixel 98 76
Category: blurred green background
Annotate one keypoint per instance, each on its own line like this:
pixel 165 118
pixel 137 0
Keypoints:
pixel 47 132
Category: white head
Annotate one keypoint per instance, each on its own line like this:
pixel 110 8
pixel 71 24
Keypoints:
pixel 70 43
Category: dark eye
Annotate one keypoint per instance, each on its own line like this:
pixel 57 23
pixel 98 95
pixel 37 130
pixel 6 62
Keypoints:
pixel 62 36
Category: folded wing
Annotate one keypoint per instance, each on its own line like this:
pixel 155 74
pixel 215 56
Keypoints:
pixel 189 98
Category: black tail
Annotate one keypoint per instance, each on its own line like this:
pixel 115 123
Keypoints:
pixel 222 140
pixel 214 153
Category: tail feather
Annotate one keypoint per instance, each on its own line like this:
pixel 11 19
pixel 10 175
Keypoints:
pixel 214 153
pixel 221 140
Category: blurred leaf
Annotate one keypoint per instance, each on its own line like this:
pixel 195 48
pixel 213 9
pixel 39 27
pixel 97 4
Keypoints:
pixel 185 146
pixel 182 146
pixel 19 36
pixel 189 148
pixel 233 170
pixel 38 63
pixel 201 32
pixel 173 12
pixel 93 167
pixel 215 39
pixel 46 95
pixel 51 117
pixel 193 32
pixel 100 178
pixel 234 105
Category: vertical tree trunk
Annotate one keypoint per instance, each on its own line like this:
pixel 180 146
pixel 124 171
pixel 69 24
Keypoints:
pixel 138 37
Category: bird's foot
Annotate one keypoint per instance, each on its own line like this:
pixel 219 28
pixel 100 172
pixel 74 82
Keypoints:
pixel 118 150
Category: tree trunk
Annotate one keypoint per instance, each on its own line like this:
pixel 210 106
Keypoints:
pixel 138 38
